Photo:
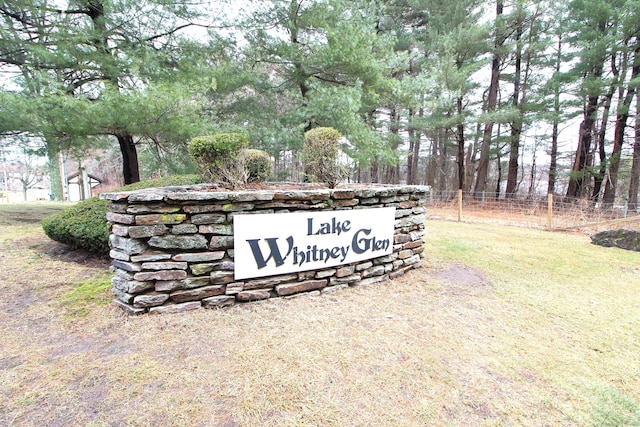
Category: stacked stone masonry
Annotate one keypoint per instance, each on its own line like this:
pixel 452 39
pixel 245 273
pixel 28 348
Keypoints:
pixel 172 247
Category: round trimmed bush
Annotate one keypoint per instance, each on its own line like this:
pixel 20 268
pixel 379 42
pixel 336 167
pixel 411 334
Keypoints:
pixel 258 165
pixel 320 156
pixel 219 157
pixel 84 225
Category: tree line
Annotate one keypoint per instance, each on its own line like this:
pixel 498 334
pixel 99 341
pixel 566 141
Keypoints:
pixel 455 94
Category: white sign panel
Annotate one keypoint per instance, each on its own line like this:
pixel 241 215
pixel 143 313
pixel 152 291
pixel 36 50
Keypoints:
pixel 271 244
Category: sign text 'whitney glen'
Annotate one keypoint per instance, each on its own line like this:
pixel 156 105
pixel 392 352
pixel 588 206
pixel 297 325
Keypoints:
pixel 271 244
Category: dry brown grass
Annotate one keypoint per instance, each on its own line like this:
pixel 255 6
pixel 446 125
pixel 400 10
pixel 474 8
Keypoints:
pixel 499 328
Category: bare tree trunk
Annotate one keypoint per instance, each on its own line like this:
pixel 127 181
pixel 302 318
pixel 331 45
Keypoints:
pixel 578 180
pixel 460 141
pixel 130 168
pixel 553 162
pixel 516 126
pixel 598 179
pixel 483 163
pixel 634 183
pixel 414 149
pixel 621 124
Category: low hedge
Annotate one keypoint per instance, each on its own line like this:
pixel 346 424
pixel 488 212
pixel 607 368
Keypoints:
pixel 84 224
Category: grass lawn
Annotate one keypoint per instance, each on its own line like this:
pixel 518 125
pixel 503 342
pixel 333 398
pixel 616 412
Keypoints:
pixel 502 327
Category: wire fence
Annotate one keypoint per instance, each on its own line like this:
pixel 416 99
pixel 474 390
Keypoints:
pixel 549 212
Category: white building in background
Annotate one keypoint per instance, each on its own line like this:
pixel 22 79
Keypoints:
pixel 80 185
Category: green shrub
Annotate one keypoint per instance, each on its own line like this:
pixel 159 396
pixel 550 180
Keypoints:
pixel 84 225
pixel 258 165
pixel 320 156
pixel 219 157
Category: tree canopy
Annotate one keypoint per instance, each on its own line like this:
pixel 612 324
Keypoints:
pixel 444 93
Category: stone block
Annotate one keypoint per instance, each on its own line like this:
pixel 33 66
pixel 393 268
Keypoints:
pixel 253 295
pixel 221 277
pixel 130 286
pixel 164 265
pixel 151 256
pixel 197 209
pixel 175 308
pixel 200 269
pixel 416 235
pixel 179 242
pixel 370 201
pixel 401 213
pixel 199 256
pixel 234 288
pixel 219 301
pixel 208 218
pixel 377 270
pixel 169 285
pixel 121 273
pixel 393 199
pixel 412 260
pixel 402 238
pixel 345 271
pixel 294 288
pixel 413 245
pixel 123 296
pixel 354 278
pixel 405 254
pixel 323 274
pixel 120 230
pixel 341 194
pixel 141 231
pixel 146 196
pixel 127 245
pixel 120 256
pixel 158 219
pixel 302 195
pixel 152 208
pixel 409 221
pixel 160 275
pixel 364 266
pixel 184 229
pixel 117 207
pixel 150 300
pixel 385 259
pixel 306 275
pixel 126 266
pixel 407 204
pixel 196 282
pixel 121 218
pixel 221 242
pixel 224 266
pixel 269 282
pixel 346 203
pixel 217 229
pixel 238 207
pixel 129 309
pixel 197 293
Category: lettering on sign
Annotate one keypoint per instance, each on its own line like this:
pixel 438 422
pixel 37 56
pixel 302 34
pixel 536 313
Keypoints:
pixel 272 244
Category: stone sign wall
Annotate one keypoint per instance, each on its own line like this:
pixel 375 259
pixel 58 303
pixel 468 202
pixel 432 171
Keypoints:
pixel 172 248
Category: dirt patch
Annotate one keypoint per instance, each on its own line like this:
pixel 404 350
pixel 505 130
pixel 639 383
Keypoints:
pixel 461 278
pixel 462 275
pixel 65 253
